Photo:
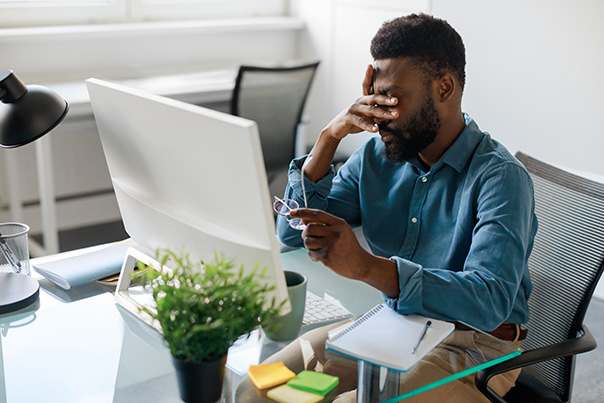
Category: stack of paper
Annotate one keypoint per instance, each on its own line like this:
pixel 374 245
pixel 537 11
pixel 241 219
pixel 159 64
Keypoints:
pixel 83 269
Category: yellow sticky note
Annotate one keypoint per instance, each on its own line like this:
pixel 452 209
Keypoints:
pixel 268 375
pixel 287 394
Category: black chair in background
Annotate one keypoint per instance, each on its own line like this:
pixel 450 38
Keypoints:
pixel 565 266
pixel 274 98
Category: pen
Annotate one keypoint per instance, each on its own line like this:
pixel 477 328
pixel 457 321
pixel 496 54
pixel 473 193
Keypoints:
pixel 421 337
pixel 10 256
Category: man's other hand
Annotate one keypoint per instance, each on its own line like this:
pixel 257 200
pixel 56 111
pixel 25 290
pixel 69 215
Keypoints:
pixel 361 115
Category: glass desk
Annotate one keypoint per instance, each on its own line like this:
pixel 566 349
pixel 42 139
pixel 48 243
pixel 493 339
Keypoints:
pixel 80 346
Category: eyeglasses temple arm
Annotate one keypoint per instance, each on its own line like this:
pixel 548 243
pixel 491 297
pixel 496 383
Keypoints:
pixel 302 179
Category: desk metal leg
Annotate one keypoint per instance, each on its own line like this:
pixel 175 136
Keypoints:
pixel 228 387
pixel 376 384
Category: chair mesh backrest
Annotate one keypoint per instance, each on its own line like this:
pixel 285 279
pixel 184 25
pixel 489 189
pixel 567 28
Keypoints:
pixel 274 98
pixel 565 264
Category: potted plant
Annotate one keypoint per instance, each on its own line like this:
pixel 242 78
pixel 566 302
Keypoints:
pixel 202 310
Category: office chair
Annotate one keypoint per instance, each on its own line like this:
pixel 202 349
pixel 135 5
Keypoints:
pixel 274 98
pixel 565 265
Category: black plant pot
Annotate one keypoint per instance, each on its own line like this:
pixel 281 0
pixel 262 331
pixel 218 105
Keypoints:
pixel 200 382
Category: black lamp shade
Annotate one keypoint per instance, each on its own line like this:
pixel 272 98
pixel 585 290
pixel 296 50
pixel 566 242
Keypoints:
pixel 27 113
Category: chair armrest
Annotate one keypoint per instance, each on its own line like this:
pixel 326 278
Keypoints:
pixel 581 344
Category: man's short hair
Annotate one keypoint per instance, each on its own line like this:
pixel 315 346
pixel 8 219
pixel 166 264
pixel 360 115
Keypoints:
pixel 435 45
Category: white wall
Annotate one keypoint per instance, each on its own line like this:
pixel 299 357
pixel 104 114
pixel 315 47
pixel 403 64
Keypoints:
pixel 533 71
pixel 51 54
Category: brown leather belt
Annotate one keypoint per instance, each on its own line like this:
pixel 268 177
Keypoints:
pixel 506 331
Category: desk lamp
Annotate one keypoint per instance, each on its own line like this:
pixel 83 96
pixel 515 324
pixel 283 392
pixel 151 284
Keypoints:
pixel 26 114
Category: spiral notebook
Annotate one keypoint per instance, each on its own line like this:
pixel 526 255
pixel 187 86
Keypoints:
pixel 386 338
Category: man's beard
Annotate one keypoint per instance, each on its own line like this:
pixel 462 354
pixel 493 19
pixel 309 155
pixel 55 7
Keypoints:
pixel 418 133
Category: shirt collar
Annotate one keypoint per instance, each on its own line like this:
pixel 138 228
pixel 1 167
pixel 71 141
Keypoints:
pixel 460 152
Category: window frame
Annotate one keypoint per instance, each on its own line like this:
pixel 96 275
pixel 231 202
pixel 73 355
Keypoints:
pixel 17 14
pixel 65 12
pixel 156 10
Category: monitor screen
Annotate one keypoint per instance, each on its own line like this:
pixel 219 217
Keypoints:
pixel 188 178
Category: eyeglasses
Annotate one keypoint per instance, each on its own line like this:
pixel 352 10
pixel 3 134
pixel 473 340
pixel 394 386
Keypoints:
pixel 285 206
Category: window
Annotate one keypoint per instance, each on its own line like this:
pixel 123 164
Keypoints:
pixel 171 9
pixel 22 13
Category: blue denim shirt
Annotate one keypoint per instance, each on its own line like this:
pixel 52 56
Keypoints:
pixel 460 234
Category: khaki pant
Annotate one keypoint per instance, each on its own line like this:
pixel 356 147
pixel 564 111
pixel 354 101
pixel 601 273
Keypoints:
pixel 461 350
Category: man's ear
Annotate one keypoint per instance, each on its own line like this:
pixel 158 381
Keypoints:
pixel 445 87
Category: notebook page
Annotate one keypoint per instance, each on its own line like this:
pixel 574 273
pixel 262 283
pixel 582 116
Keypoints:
pixel 387 338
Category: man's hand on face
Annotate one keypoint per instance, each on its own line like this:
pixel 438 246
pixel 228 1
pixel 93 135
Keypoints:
pixel 330 240
pixel 362 115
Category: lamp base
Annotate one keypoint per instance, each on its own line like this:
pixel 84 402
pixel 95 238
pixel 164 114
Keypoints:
pixel 17 291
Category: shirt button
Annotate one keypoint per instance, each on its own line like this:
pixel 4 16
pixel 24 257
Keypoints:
pixel 414 220
pixel 424 179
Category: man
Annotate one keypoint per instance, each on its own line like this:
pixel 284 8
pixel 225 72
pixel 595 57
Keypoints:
pixel 447 211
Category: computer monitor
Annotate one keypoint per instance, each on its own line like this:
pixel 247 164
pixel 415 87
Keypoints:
pixel 188 178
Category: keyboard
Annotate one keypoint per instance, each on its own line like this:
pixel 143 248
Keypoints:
pixel 321 311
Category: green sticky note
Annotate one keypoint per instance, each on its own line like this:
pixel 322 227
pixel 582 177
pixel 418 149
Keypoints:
pixel 314 382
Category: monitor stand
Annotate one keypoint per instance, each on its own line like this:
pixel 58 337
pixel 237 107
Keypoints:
pixel 134 297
